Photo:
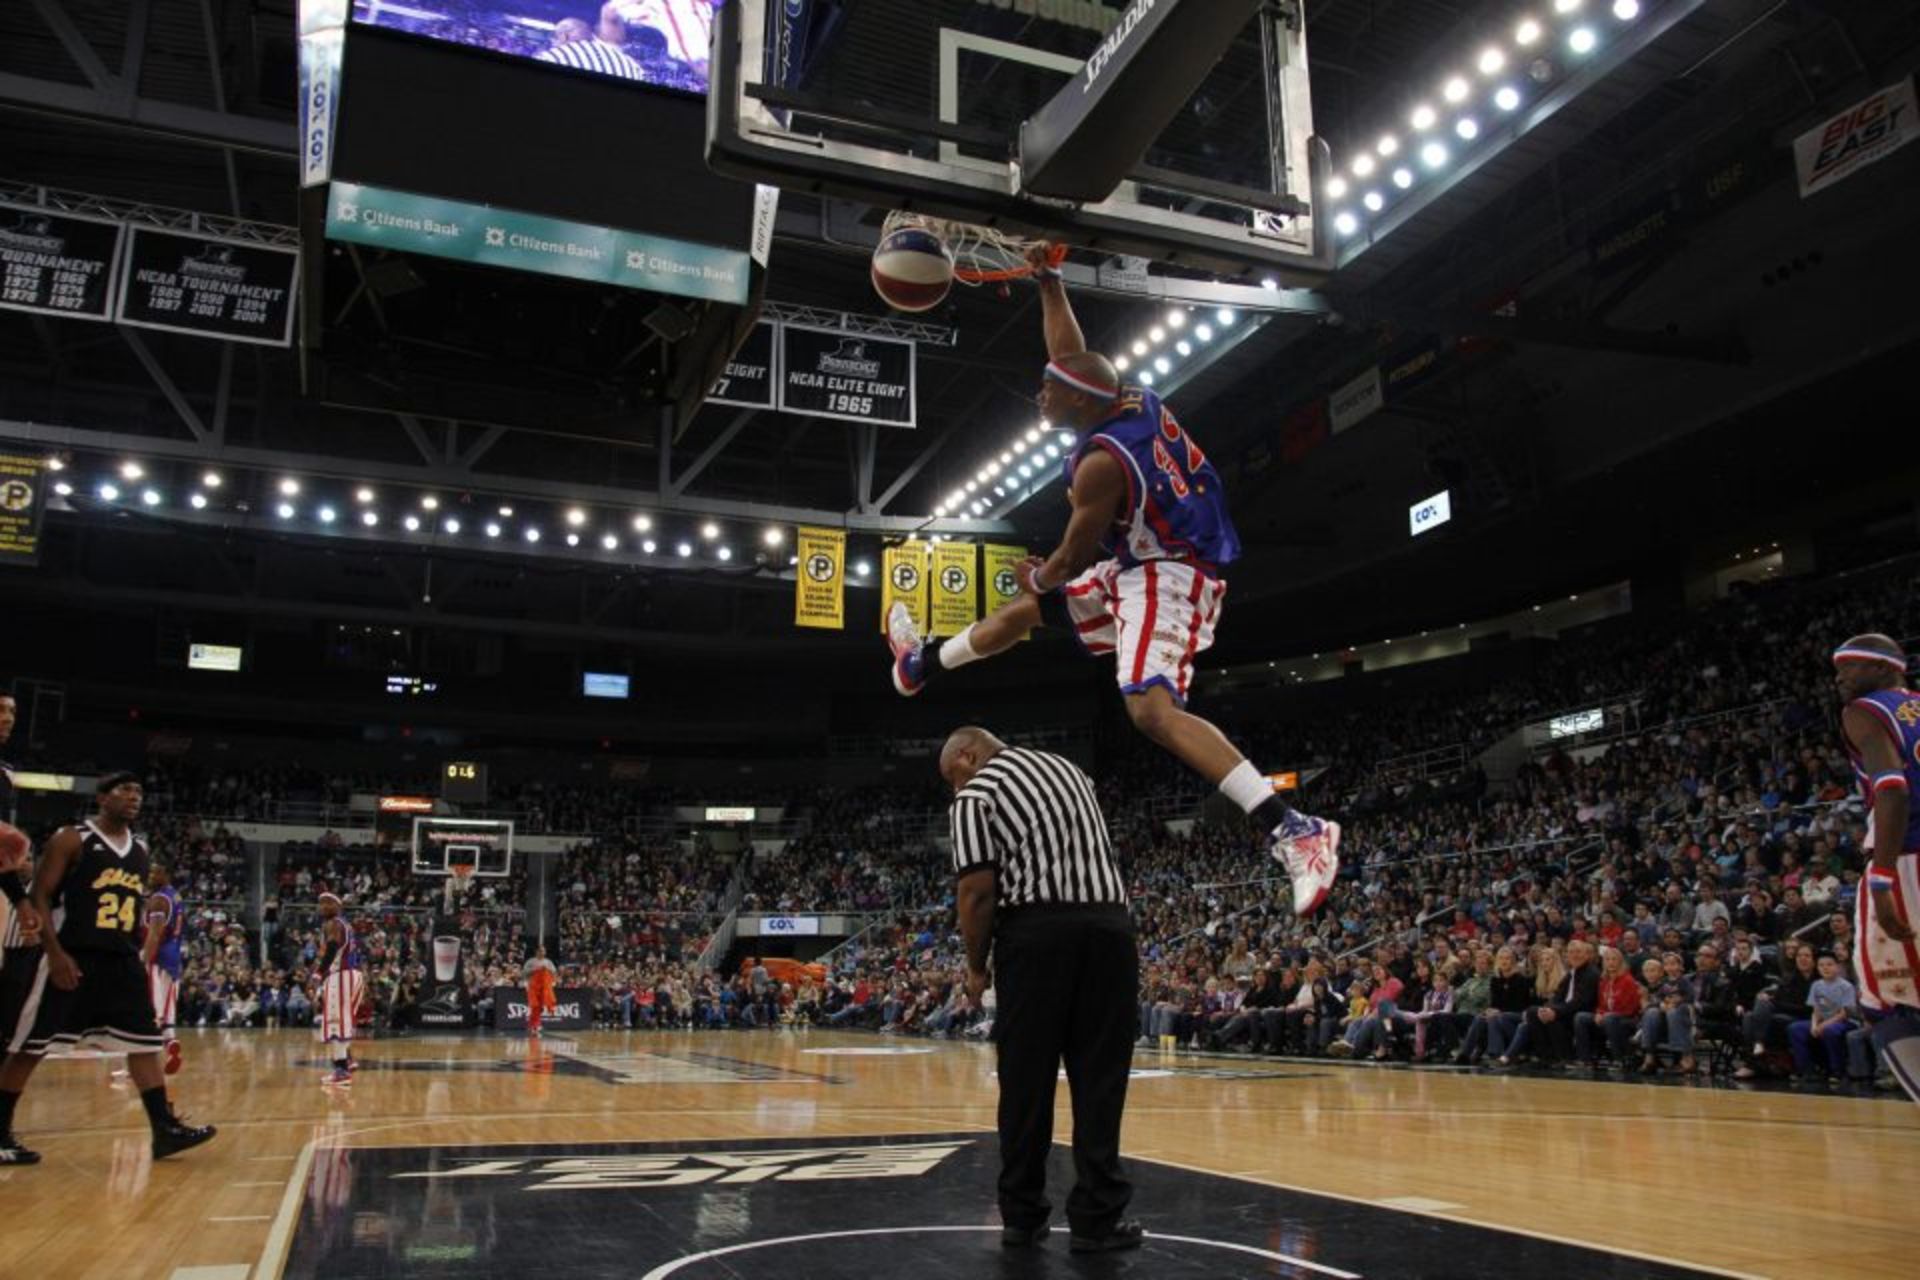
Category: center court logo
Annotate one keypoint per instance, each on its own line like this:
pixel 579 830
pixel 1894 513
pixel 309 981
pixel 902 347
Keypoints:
pixel 720 1168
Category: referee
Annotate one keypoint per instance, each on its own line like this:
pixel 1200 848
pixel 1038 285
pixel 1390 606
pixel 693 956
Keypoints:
pixel 1038 885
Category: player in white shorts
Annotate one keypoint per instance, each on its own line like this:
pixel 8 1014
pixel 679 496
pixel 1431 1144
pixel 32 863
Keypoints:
pixel 1880 724
pixel 340 988
pixel 1136 575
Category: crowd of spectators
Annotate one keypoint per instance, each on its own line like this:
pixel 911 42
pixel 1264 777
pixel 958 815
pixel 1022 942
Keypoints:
pixel 1683 886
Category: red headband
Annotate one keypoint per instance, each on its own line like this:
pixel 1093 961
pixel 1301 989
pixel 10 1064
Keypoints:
pixel 1845 654
pixel 1078 383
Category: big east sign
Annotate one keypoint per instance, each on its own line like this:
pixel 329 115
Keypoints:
pixel 1864 133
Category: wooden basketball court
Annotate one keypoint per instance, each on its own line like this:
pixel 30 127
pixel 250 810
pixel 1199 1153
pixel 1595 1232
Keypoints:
pixel 483 1156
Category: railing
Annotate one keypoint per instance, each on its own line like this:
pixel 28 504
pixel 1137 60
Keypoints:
pixel 1418 766
pixel 723 936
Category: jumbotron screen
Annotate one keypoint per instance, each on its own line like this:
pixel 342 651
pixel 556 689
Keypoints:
pixel 656 42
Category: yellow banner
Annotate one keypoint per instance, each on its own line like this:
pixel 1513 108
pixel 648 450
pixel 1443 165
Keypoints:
pixel 998 575
pixel 820 579
pixel 906 570
pixel 956 590
pixel 998 583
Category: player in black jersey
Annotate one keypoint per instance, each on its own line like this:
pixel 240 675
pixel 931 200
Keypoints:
pixel 20 941
pixel 13 881
pixel 91 884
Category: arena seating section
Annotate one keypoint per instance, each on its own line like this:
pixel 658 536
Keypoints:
pixel 1739 791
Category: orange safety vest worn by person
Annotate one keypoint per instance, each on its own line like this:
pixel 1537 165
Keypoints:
pixel 541 978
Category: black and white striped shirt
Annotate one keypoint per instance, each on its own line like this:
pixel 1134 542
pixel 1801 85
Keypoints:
pixel 1032 817
pixel 595 55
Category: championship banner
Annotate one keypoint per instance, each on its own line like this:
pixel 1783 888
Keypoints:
pixel 998 572
pixel 1865 133
pixel 215 288
pixel 906 581
pixel 956 594
pixel 828 373
pixel 57 263
pixel 820 580
pixel 23 500
pixel 749 378
pixel 496 237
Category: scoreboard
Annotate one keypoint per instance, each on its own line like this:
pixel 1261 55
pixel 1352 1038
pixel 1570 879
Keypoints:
pixel 463 782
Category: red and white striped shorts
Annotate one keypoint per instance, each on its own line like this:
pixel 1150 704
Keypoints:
pixel 1889 971
pixel 162 986
pixel 1154 618
pixel 339 997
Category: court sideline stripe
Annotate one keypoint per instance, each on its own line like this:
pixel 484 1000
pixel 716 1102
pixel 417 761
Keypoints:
pixel 273 1255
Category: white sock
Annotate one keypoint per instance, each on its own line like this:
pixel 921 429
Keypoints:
pixel 1246 786
pixel 957 650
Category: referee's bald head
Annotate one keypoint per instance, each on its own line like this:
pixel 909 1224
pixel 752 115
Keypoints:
pixel 966 750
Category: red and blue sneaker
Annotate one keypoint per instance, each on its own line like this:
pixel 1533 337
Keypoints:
pixel 1309 848
pixel 903 637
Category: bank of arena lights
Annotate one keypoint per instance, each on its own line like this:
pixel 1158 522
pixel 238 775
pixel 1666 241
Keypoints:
pixel 1531 47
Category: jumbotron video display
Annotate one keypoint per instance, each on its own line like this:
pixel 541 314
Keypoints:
pixel 657 42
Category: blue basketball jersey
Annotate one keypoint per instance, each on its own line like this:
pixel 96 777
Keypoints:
pixel 1176 502
pixel 172 933
pixel 1898 710
pixel 348 956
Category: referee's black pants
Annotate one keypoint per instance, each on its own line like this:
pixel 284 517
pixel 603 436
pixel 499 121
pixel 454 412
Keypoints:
pixel 1067 979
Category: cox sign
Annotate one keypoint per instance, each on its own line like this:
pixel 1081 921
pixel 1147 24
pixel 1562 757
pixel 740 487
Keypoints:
pixel 790 926
pixel 1430 513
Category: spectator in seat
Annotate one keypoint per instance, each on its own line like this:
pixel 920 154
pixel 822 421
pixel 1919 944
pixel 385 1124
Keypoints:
pixel 1244 1024
pixel 1434 1019
pixel 1715 1013
pixel 1832 1000
pixel 1668 1021
pixel 1550 1025
pixel 1314 1016
pixel 1707 911
pixel 1780 1006
pixel 1616 1009
pixel 1473 996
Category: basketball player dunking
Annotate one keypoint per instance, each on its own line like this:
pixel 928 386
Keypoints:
pixel 1136 575
pixel 1881 725
pixel 340 987
pixel 161 953
pixel 90 985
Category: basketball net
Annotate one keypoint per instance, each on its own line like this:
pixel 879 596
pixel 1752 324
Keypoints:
pixel 459 880
pixel 981 255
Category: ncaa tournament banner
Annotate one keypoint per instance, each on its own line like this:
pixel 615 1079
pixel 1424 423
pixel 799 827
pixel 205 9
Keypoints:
pixel 829 373
pixel 1865 133
pixel 905 581
pixel 748 381
pixel 57 263
pixel 998 573
pixel 572 1009
pixel 496 237
pixel 820 579
pixel 956 596
pixel 215 288
pixel 23 500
